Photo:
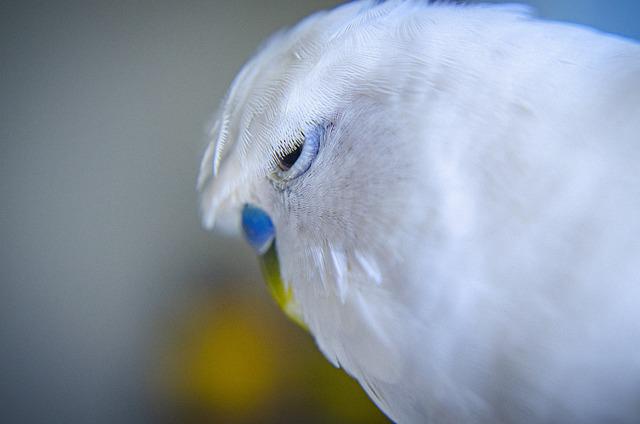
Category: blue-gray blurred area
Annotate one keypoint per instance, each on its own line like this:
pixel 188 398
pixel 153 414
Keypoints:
pixel 103 108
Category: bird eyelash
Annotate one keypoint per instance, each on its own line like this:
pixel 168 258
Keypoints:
pixel 297 156
pixel 287 147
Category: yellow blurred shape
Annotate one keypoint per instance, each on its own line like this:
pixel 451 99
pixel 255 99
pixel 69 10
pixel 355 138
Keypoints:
pixel 233 358
pixel 229 360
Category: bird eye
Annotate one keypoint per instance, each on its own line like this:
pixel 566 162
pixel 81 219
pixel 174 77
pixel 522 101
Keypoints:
pixel 288 160
pixel 296 162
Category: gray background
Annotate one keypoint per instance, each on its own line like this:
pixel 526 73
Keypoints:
pixel 103 108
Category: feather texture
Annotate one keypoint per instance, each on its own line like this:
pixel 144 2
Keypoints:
pixel 466 242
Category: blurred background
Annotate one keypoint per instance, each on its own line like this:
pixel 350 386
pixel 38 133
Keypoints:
pixel 115 306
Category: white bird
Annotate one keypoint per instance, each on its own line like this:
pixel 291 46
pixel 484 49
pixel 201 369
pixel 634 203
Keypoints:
pixel 453 196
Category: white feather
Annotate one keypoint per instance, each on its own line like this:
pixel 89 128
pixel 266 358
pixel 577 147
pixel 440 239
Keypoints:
pixel 466 242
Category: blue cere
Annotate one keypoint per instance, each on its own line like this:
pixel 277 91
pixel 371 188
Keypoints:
pixel 258 228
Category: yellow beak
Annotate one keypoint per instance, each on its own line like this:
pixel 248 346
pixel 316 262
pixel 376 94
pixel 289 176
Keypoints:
pixel 283 295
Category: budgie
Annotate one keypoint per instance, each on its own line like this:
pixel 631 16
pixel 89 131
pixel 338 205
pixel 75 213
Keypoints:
pixel 448 198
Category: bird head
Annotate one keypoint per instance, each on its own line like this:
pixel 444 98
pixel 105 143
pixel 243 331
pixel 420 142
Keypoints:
pixel 310 155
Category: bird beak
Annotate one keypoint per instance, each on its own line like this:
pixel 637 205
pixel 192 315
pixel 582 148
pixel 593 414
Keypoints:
pixel 259 232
